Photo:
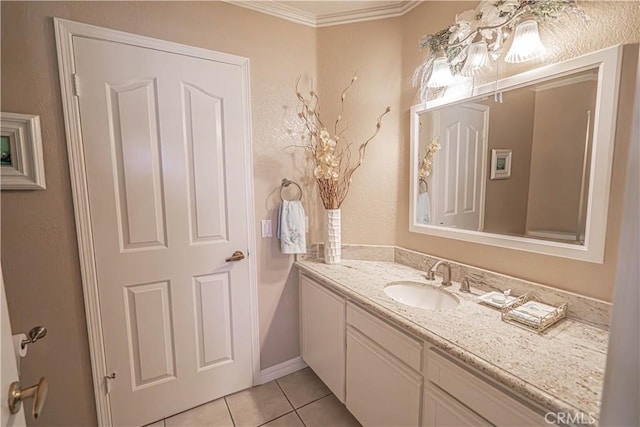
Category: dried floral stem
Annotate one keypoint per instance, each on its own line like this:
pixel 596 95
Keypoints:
pixel 361 150
pixel 424 168
pixel 331 154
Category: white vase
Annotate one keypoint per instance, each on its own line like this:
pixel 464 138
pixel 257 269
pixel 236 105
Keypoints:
pixel 332 236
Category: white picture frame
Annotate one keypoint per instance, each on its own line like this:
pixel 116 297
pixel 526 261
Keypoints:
pixel 22 159
pixel 500 164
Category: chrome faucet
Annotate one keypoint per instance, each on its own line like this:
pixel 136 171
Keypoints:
pixel 446 273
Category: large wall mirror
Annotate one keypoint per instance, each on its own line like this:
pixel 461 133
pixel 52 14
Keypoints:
pixel 523 163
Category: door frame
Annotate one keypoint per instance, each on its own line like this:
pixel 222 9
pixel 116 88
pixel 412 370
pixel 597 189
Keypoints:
pixel 65 30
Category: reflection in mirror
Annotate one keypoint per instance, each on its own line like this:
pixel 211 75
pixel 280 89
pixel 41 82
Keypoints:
pixel 513 163
pixel 525 162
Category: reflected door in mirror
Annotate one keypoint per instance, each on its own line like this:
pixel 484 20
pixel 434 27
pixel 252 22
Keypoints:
pixel 458 172
pixel 547 129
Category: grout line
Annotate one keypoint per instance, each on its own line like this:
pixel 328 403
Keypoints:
pixel 285 395
pixel 313 401
pixel 300 418
pixel 229 411
pixel 276 418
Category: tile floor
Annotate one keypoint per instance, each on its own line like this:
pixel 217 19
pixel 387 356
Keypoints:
pixel 297 400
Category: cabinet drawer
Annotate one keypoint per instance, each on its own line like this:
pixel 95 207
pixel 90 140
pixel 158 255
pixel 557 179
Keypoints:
pixel 440 410
pixel 381 390
pixel 497 405
pixel 402 346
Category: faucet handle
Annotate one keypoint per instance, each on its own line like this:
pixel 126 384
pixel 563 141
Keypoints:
pixel 468 279
pixel 429 273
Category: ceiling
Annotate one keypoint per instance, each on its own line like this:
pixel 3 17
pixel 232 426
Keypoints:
pixel 328 12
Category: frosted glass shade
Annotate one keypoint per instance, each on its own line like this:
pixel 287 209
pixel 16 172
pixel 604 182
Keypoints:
pixel 526 43
pixel 441 74
pixel 477 59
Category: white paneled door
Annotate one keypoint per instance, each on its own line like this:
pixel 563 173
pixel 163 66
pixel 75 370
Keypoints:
pixel 9 367
pixel 459 168
pixel 164 151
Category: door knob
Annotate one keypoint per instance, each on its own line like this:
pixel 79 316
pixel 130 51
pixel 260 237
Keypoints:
pixel 237 256
pixel 38 392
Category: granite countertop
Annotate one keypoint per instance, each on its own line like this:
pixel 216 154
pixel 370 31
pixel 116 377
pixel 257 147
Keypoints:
pixel 561 369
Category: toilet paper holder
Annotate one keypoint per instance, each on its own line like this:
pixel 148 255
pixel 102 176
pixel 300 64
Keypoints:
pixel 36 333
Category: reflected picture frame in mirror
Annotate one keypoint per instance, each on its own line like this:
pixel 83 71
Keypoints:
pixel 591 241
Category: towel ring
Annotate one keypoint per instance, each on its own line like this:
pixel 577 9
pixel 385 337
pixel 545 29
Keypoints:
pixel 287 182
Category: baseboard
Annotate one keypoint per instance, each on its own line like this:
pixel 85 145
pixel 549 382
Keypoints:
pixel 281 369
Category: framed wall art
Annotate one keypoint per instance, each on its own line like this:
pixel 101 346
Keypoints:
pixel 500 164
pixel 21 159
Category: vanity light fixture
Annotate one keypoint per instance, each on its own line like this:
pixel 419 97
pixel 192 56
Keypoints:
pixel 477 57
pixel 441 73
pixel 478 36
pixel 526 43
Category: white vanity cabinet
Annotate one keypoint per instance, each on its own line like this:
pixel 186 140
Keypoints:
pixel 384 384
pixel 322 327
pixel 386 377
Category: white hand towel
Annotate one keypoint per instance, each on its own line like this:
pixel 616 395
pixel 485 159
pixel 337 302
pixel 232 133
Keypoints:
pixel 423 209
pixel 291 227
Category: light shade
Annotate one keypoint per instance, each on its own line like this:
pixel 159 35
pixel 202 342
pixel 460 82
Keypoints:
pixel 477 59
pixel 526 43
pixel 441 74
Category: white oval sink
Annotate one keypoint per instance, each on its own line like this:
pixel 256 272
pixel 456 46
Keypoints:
pixel 421 295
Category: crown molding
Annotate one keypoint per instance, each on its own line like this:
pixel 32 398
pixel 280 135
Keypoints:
pixel 290 13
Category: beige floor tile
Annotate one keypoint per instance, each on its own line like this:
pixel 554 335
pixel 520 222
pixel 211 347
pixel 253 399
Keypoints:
pixel 258 405
pixel 156 424
pixel 303 387
pixel 289 420
pixel 327 411
pixel 212 414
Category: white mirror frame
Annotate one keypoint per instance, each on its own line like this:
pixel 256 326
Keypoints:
pixel 608 62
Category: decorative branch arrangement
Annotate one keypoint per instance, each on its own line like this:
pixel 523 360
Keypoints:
pixel 331 154
pixel 424 168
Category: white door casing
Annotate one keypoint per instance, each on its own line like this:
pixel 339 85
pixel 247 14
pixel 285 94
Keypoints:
pixel 161 162
pixel 459 167
pixel 9 367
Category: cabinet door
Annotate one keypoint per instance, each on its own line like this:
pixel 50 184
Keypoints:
pixel 442 410
pixel 481 395
pixel 381 390
pixel 322 318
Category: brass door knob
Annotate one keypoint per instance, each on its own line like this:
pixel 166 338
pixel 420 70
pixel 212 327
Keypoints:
pixel 38 392
pixel 237 256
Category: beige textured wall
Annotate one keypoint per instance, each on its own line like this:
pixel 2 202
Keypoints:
pixel 558 154
pixel 610 23
pixel 510 127
pixel 373 51
pixel 39 251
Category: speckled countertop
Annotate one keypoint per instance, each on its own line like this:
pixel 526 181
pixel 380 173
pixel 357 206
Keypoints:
pixel 561 369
